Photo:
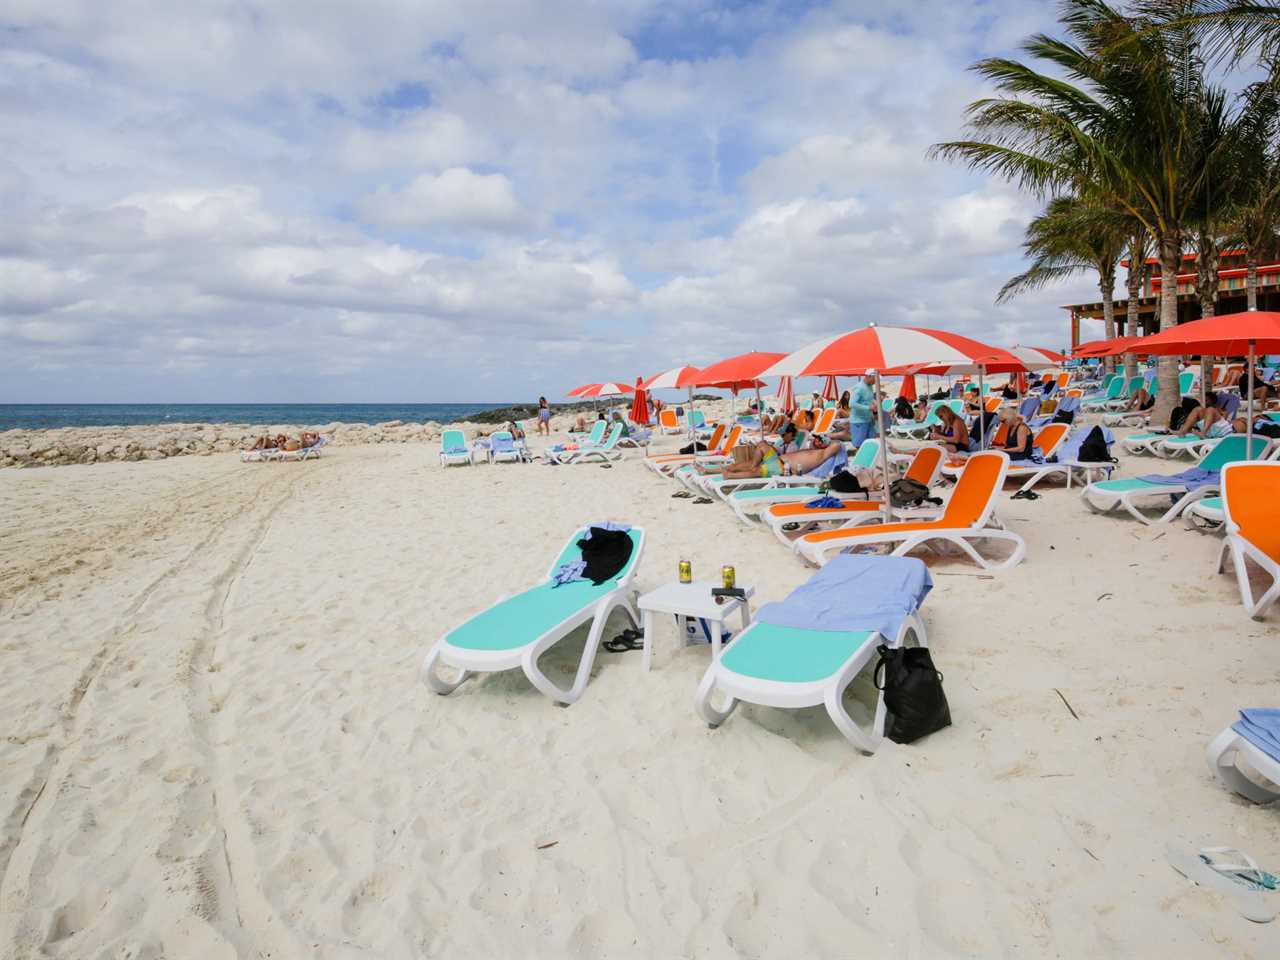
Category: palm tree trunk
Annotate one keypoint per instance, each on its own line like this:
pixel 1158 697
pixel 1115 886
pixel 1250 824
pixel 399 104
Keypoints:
pixel 1251 279
pixel 1207 289
pixel 1170 247
pixel 1137 270
pixel 1107 285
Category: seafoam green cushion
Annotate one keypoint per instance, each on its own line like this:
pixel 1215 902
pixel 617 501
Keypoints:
pixel 521 619
pixel 789 654
pixel 750 495
pixel 1127 486
pixel 1211 503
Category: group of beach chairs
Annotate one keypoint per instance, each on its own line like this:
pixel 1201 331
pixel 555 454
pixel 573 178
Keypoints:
pixel 776 661
pixel 806 652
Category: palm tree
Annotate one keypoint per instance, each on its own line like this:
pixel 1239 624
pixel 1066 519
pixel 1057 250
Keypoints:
pixel 1139 243
pixel 1070 236
pixel 1256 223
pixel 1120 113
pixel 1234 29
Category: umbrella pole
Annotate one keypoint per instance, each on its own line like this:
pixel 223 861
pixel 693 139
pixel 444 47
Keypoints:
pixel 884 449
pixel 688 420
pixel 982 411
pixel 1248 454
pixel 760 412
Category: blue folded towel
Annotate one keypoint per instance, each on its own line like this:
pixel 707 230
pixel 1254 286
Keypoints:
pixel 854 593
pixel 1262 729
pixel 824 503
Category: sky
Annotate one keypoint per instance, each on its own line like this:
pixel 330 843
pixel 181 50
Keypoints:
pixel 425 200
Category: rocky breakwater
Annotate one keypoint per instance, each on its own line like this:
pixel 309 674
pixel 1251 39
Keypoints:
pixel 69 445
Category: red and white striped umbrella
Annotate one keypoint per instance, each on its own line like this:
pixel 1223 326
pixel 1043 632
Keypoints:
pixel 830 389
pixel 1037 358
pixel 879 348
pixel 787 395
pixel 608 389
pixel 677 378
pixel 884 350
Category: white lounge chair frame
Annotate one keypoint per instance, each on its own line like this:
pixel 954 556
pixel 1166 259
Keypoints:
pixel 828 692
pixel 1224 753
pixel 525 657
pixel 1239 550
pixel 986 527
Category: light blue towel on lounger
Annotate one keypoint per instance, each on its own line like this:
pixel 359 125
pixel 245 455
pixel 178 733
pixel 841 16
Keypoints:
pixel 1262 729
pixel 1192 479
pixel 854 593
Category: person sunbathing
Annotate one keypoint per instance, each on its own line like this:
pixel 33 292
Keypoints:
pixel 1019 443
pixel 1142 399
pixel 263 442
pixel 775 424
pixel 953 433
pixel 763 460
pixel 1213 422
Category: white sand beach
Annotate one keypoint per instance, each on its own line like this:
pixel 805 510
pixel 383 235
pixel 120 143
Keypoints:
pixel 217 744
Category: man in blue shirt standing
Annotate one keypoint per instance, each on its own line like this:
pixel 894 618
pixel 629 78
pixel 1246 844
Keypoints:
pixel 862 409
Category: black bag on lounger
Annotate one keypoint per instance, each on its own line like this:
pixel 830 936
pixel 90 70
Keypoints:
pixel 913 697
pixel 696 447
pixel 905 492
pixel 845 482
pixel 1094 448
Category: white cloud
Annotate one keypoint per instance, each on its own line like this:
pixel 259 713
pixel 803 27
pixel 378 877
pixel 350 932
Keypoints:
pixel 633 182
pixel 456 198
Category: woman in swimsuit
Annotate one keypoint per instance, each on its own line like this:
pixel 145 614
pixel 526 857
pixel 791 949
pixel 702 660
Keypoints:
pixel 1019 442
pixel 544 416
pixel 953 434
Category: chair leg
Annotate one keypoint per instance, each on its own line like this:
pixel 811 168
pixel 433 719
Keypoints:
pixel 1221 755
pixel 702 700
pixel 868 741
pixel 433 679
pixel 557 693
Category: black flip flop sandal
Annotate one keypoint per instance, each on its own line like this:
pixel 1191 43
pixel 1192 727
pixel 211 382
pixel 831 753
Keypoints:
pixel 682 495
pixel 703 500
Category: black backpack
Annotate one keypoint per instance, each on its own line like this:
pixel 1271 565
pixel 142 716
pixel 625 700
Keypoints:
pixel 905 492
pixel 913 697
pixel 1094 448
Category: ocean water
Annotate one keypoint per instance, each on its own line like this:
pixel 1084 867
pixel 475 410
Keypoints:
pixel 47 416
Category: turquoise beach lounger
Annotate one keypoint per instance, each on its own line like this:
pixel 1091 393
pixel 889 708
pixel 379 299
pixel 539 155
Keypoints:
pixel 1105 495
pixel 453 448
pixel 518 629
pixel 749 504
pixel 792 666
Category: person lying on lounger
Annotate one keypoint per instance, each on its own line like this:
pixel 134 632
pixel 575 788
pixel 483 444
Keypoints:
pixel 263 442
pixel 304 441
pixel 763 460
pixel 1212 421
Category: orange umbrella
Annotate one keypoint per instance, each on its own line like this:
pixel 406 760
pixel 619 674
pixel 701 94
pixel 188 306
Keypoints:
pixel 908 388
pixel 640 406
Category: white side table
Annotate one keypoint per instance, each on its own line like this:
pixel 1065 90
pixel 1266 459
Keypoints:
pixel 686 600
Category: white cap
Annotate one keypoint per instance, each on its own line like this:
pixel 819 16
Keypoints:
pixel 870 373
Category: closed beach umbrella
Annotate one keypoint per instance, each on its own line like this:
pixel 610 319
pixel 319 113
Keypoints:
pixel 787 395
pixel 830 389
pixel 881 349
pixel 908 389
pixel 640 406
